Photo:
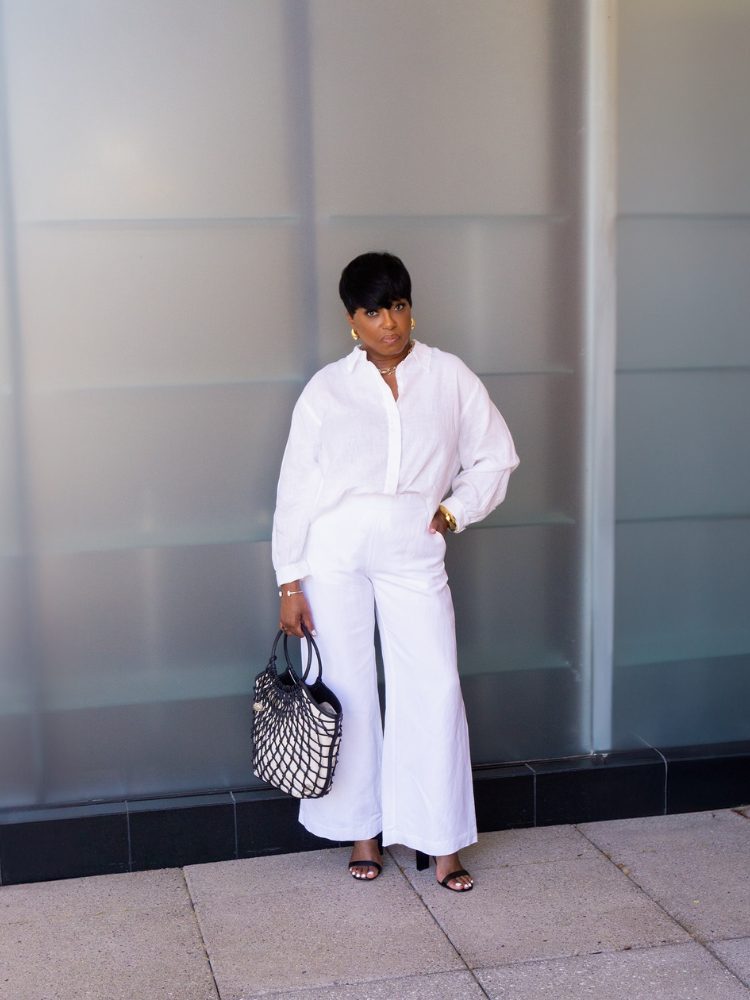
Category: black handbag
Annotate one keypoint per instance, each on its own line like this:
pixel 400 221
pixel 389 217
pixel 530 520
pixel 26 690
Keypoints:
pixel 296 727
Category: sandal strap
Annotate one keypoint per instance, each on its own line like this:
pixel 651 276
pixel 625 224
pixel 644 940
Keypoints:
pixel 371 864
pixel 449 878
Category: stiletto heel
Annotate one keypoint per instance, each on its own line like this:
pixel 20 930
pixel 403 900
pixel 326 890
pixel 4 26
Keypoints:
pixel 423 861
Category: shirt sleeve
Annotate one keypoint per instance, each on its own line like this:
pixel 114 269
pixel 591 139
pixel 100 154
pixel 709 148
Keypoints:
pixel 487 455
pixel 299 483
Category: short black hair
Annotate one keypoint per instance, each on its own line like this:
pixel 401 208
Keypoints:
pixel 374 280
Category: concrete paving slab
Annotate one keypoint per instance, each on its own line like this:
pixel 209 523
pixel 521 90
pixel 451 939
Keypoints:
pixel 650 834
pixel 113 936
pixel 736 955
pixel 440 986
pixel 268 875
pixel 566 907
pixel 675 972
pixel 512 847
pixel 694 865
pixel 282 927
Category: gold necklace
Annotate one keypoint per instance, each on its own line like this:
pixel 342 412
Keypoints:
pixel 389 371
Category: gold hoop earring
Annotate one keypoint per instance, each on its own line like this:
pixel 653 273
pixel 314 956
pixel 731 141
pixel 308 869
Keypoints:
pixel 413 324
pixel 355 335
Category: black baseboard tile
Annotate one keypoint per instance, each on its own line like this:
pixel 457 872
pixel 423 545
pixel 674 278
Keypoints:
pixel 504 797
pixel 267 823
pixel 184 830
pixel 714 776
pixel 41 843
pixel 598 787
pixel 38 845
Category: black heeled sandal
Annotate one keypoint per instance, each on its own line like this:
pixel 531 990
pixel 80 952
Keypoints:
pixel 368 864
pixel 423 861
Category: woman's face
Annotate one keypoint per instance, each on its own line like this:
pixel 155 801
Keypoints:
pixel 384 333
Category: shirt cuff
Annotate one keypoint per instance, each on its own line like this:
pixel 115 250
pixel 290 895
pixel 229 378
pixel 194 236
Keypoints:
pixel 292 571
pixel 454 505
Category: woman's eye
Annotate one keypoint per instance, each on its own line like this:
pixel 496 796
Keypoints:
pixel 371 313
pixel 400 306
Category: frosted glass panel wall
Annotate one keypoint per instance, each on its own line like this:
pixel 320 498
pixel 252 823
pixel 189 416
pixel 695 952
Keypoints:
pixel 187 180
pixel 448 133
pixel 683 453
pixel 17 681
pixel 157 239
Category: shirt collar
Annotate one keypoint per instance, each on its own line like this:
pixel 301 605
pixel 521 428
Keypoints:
pixel 421 353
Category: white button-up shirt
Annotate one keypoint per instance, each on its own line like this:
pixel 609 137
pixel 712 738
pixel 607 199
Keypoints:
pixel 443 439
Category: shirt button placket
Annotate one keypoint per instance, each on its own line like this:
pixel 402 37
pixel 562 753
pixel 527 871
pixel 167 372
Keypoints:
pixel 393 461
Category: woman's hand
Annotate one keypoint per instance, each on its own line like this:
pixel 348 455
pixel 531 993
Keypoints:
pixel 438 523
pixel 294 611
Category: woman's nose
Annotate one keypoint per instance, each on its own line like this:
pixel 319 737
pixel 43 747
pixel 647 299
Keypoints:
pixel 388 321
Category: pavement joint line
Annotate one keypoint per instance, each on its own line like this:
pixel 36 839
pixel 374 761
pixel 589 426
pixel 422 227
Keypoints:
pixel 359 982
pixel 709 946
pixel 439 925
pixel 200 934
pixel 588 954
pixel 704 943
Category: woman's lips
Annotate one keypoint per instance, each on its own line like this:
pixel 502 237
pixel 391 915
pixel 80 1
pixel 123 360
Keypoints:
pixel 393 339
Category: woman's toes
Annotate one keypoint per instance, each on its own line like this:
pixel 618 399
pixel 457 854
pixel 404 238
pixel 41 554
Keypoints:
pixel 364 872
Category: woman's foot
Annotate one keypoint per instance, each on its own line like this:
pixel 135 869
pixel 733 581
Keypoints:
pixel 365 851
pixel 447 863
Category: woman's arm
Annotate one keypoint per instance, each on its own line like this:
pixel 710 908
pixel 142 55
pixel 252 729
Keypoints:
pixel 299 482
pixel 487 455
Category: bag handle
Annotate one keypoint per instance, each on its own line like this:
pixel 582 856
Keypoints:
pixel 311 645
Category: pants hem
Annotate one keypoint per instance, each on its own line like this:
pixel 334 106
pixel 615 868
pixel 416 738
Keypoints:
pixel 344 833
pixel 436 847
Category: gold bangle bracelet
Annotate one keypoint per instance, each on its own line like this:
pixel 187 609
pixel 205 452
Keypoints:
pixel 449 518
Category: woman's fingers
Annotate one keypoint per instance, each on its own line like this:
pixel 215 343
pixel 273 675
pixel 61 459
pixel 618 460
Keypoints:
pixel 438 523
pixel 291 627
pixel 293 613
pixel 308 622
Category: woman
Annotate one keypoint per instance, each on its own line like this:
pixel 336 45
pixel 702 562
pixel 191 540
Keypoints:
pixel 389 448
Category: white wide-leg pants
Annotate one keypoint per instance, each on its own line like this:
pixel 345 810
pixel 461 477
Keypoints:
pixel 371 556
